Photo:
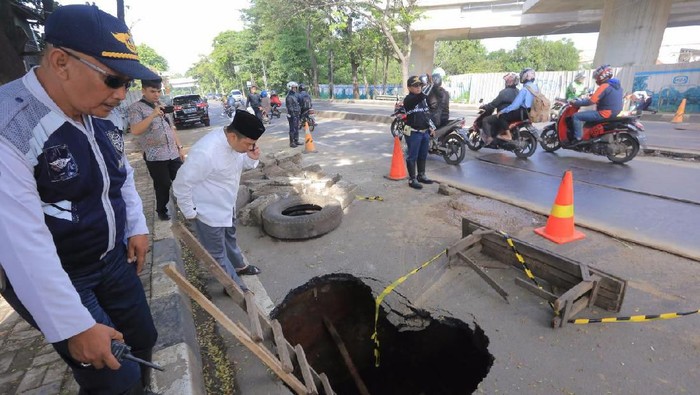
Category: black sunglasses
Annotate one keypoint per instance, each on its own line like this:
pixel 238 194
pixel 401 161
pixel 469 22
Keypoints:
pixel 112 81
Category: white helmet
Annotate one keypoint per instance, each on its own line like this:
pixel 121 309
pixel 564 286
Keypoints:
pixel 291 85
pixel 440 71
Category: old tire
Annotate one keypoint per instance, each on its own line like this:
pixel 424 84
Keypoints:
pixel 301 217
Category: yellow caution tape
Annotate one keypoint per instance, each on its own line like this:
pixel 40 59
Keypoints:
pixel 526 268
pixel 633 318
pixel 378 198
pixel 386 292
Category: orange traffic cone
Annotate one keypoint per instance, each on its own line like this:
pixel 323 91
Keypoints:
pixel 560 224
pixel 398 164
pixel 308 140
pixel 678 118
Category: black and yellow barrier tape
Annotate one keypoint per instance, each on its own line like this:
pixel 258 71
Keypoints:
pixel 378 198
pixel 387 291
pixel 633 318
pixel 526 268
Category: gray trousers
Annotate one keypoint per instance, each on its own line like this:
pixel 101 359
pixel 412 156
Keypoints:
pixel 220 242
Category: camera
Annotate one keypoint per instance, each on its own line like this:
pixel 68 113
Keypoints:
pixel 168 109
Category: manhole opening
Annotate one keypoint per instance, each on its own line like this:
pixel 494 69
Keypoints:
pixel 301 209
pixel 419 354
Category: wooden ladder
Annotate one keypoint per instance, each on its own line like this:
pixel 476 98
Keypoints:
pixel 287 359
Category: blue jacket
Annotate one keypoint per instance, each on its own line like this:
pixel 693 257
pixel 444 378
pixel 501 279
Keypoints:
pixel 524 98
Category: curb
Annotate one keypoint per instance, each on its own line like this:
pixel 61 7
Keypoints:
pixel 177 349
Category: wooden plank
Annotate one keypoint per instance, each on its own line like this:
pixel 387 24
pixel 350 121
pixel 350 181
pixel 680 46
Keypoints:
pixel 594 291
pixel 529 286
pixel 281 345
pixel 326 384
pixel 485 276
pixel 254 317
pixel 359 383
pixel 573 294
pixel 463 244
pixel 305 370
pixel 571 309
pixel 200 253
pixel 239 332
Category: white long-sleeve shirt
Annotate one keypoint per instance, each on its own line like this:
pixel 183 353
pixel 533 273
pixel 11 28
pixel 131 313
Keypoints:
pixel 206 185
pixel 28 253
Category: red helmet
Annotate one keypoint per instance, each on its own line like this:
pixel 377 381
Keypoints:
pixel 511 79
pixel 602 74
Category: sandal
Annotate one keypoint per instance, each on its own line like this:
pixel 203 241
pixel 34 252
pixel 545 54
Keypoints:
pixel 249 270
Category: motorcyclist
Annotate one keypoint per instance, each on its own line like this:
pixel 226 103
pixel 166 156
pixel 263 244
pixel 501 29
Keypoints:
pixel 434 94
pixel 304 99
pixel 519 109
pixel 254 101
pixel 265 104
pixel 576 89
pixel 275 101
pixel 607 98
pixel 490 124
pixel 293 112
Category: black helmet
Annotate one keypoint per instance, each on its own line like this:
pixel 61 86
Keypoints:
pixel 437 80
pixel 526 75
pixel 302 87
pixel 423 79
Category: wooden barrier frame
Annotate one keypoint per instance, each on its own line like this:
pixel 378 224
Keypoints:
pixel 583 286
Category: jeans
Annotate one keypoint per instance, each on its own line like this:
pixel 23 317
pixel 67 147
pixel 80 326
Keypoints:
pixel 163 173
pixel 582 117
pixel 112 291
pixel 221 244
pixel 418 143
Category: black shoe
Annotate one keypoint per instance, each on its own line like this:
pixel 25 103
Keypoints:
pixel 292 145
pixel 424 180
pixel 413 183
pixel 164 216
pixel 298 142
pixel 573 142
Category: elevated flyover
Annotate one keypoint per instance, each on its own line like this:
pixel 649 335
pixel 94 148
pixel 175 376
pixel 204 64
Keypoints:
pixel 630 31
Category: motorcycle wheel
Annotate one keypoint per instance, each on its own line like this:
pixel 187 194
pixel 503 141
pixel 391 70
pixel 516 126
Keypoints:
pixel 455 150
pixel 528 145
pixel 312 125
pixel 549 139
pixel 625 147
pixel 474 141
pixel 397 128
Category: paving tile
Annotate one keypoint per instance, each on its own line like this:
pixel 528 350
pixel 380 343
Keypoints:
pixel 46 359
pixel 48 389
pixel 32 379
pixel 6 361
pixel 55 373
pixel 9 382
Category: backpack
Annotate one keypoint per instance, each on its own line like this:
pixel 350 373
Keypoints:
pixel 539 112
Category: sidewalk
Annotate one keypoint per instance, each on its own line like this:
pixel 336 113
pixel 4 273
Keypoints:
pixel 28 365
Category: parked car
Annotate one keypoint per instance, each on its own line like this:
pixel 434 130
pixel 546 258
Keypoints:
pixel 190 109
pixel 237 95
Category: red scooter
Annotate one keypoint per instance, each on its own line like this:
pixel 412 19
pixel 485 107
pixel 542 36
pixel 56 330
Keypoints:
pixel 619 139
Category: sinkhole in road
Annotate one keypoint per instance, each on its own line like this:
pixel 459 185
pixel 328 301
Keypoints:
pixel 419 354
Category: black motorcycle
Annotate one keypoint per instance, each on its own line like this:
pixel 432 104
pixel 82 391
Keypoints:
pixel 307 117
pixel 274 110
pixel 228 109
pixel 523 144
pixel 449 141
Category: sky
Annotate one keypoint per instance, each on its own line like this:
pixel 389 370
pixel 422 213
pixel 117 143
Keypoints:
pixel 177 32
pixel 181 34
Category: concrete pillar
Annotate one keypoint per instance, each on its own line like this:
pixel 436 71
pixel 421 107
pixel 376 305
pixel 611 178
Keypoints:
pixel 422 55
pixel 631 32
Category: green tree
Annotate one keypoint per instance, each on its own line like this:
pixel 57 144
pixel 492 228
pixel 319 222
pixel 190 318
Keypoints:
pixel 461 57
pixel 543 55
pixel 151 58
